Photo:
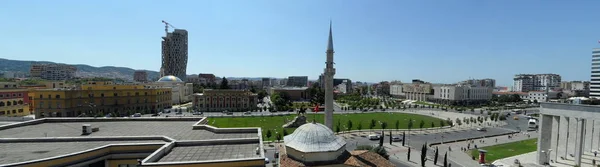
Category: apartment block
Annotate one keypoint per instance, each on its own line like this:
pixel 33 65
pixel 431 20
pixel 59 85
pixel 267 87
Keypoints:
pixel 535 82
pixel 52 71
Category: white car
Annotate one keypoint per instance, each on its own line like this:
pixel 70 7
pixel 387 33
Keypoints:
pixel 373 137
pixel 481 129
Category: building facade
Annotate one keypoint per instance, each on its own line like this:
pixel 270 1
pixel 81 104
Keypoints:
pixel 396 91
pixel 99 99
pixel 181 92
pixel 296 93
pixel 52 71
pixel 595 77
pixel 217 100
pixel 479 82
pixel 175 54
pixel 140 76
pixel 462 94
pixel 418 90
pixel 535 82
pixel 14 102
pixel 297 81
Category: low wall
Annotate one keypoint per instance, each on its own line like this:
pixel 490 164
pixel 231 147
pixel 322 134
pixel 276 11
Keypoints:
pixel 15 119
pixel 83 139
pixel 225 130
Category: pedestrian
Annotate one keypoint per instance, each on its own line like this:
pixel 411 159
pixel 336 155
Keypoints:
pixel 595 153
pixel 496 140
pixel 476 146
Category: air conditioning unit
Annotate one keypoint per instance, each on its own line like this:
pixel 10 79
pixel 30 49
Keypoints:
pixel 86 129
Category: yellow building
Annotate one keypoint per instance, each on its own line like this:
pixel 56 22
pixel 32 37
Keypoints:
pixel 99 99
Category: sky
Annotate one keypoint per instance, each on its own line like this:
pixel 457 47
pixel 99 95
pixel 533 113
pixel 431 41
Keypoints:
pixel 436 41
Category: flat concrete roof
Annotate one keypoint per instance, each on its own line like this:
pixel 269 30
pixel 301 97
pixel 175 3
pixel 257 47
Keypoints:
pixel 211 152
pixel 41 139
pixel 26 151
pixel 178 130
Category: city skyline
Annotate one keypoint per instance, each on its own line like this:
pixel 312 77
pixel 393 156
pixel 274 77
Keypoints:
pixel 472 39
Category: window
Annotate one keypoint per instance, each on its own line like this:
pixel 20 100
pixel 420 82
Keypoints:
pixel 20 101
pixel 2 112
pixel 102 95
pixel 115 94
pixel 49 96
pixel 20 110
pixel 41 96
pixel 1 95
pixel 1 104
pixel 14 95
pixel 8 103
pixel 57 96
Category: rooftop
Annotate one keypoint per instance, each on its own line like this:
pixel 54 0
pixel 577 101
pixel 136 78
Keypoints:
pixel 42 140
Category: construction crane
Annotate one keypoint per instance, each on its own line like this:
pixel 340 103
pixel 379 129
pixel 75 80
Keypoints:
pixel 167 26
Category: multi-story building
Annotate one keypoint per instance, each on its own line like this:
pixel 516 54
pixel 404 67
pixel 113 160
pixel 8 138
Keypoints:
pixel 396 91
pixel 181 92
pixel 9 85
pixel 336 82
pixel 266 82
pixel 297 81
pixel 383 88
pixel 14 102
pixel 224 99
pixel 140 76
pixel 595 77
pixel 295 93
pixel 462 94
pixel 99 99
pixel 207 78
pixel 535 82
pixel 418 90
pixel 479 82
pixel 52 71
pixel 175 54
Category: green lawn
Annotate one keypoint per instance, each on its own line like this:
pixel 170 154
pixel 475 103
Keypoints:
pixel 274 123
pixel 507 150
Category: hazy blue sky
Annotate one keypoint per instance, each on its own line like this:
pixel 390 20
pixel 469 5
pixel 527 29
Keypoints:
pixel 437 41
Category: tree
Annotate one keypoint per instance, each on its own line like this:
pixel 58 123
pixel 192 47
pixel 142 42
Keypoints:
pixel 458 121
pixel 268 134
pixel 383 125
pixel 359 127
pixel 535 101
pixel 278 137
pixel 423 155
pixel 285 133
pixel 372 125
pixel 446 159
pixel 224 84
pixel 349 124
pixel 442 123
pixel 435 158
pixel 449 122
pixel 432 125
pixel 261 94
pixel 410 124
pixel 397 125
pixel 421 124
pixel 337 129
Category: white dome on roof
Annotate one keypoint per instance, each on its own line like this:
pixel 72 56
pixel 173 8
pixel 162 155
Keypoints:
pixel 314 137
pixel 169 78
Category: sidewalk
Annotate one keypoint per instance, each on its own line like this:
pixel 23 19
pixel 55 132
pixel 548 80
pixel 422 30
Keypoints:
pixel 465 156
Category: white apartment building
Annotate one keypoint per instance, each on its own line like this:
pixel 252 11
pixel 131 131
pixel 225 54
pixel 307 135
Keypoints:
pixel 487 82
pixel 540 96
pixel 461 94
pixel 175 54
pixel 535 82
pixel 341 88
pixel 595 77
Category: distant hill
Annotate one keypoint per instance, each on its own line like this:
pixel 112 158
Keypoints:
pixel 83 70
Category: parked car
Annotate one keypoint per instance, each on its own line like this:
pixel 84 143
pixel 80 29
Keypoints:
pixel 197 113
pixel 136 115
pixel 373 137
pixel 178 113
pixel 266 160
pixel 247 113
pixel 155 115
pixel 396 138
pixel 482 129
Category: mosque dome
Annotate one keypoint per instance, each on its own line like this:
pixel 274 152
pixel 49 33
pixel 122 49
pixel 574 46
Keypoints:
pixel 314 137
pixel 169 78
